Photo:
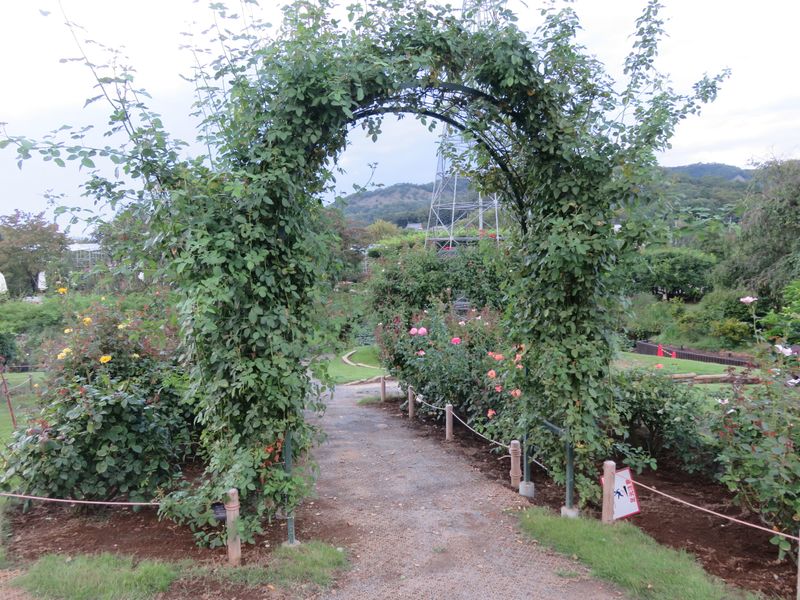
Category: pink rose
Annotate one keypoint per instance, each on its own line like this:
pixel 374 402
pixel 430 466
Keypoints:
pixel 516 393
pixel 413 331
pixel 422 331
pixel 455 341
pixel 498 388
pixel 491 412
pixel 420 352
pixel 491 374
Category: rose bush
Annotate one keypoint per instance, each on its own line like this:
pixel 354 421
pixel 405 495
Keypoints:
pixel 114 421
pixel 758 436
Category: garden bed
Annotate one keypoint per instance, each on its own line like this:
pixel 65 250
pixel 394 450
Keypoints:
pixel 740 556
pixel 58 529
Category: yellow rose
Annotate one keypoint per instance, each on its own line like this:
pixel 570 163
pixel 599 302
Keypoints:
pixel 68 330
pixel 105 358
pixel 62 290
pixel 87 320
pixel 121 326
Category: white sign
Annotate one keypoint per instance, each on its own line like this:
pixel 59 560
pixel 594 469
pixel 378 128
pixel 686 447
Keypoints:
pixel 625 501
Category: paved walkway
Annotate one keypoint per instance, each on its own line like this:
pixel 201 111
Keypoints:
pixel 426 524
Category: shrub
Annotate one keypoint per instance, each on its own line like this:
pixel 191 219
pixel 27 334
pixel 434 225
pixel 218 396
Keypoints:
pixel 437 368
pixel 8 348
pixel 481 376
pixel 667 419
pixel 732 332
pixel 724 304
pixel 114 422
pixel 759 438
pixel 647 317
pixel 419 278
pixel 785 324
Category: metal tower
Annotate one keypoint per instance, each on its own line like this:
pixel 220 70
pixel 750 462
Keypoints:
pixel 452 207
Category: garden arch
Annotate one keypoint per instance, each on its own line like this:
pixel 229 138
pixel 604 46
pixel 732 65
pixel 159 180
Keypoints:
pixel 531 111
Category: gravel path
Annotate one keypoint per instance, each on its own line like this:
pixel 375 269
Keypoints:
pixel 426 524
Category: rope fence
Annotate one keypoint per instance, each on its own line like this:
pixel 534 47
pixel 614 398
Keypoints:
pixel 72 501
pixel 231 517
pixel 19 385
pixel 491 441
pixel 716 514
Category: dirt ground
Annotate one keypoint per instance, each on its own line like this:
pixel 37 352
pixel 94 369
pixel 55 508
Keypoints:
pixel 741 556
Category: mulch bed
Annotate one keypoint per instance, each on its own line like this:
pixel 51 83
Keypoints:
pixel 61 529
pixel 739 555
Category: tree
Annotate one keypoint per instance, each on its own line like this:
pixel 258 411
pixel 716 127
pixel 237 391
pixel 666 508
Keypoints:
pixel 28 246
pixel 381 229
pixel 766 255
pixel 675 273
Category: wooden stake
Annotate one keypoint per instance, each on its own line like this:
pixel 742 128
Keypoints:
pixel 515 451
pixel 448 422
pixel 609 474
pixel 383 388
pixel 410 403
pixel 8 398
pixel 232 526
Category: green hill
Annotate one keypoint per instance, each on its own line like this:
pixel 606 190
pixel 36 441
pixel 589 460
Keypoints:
pixel 701 190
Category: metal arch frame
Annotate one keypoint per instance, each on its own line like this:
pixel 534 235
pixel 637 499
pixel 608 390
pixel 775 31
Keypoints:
pixel 439 111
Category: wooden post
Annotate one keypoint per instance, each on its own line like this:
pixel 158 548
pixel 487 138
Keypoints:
pixel 232 526
pixel 30 383
pixel 383 388
pixel 410 403
pixel 609 472
pixel 8 396
pixel 516 463
pixel 448 422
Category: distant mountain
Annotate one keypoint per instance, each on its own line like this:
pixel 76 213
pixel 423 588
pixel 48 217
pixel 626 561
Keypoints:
pixel 718 170
pixel 701 187
pixel 400 203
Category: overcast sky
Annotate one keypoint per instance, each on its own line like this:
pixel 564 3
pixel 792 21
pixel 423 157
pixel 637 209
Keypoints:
pixel 757 114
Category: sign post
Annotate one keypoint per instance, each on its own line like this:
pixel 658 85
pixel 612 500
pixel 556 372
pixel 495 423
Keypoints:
pixel 626 503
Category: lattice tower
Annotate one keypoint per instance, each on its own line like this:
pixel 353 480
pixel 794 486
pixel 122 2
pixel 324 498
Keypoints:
pixel 452 212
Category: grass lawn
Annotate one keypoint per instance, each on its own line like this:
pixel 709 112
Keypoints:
pixel 310 562
pixel 366 355
pixel 101 577
pixel 629 360
pixel 25 403
pixel 623 554
pixel 341 372
pixel 25 406
pixel 368 400
pixel 14 379
pixel 112 577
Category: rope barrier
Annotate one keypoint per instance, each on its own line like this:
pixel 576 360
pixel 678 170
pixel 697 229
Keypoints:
pixel 421 401
pixel 19 385
pixel 716 514
pixel 68 501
